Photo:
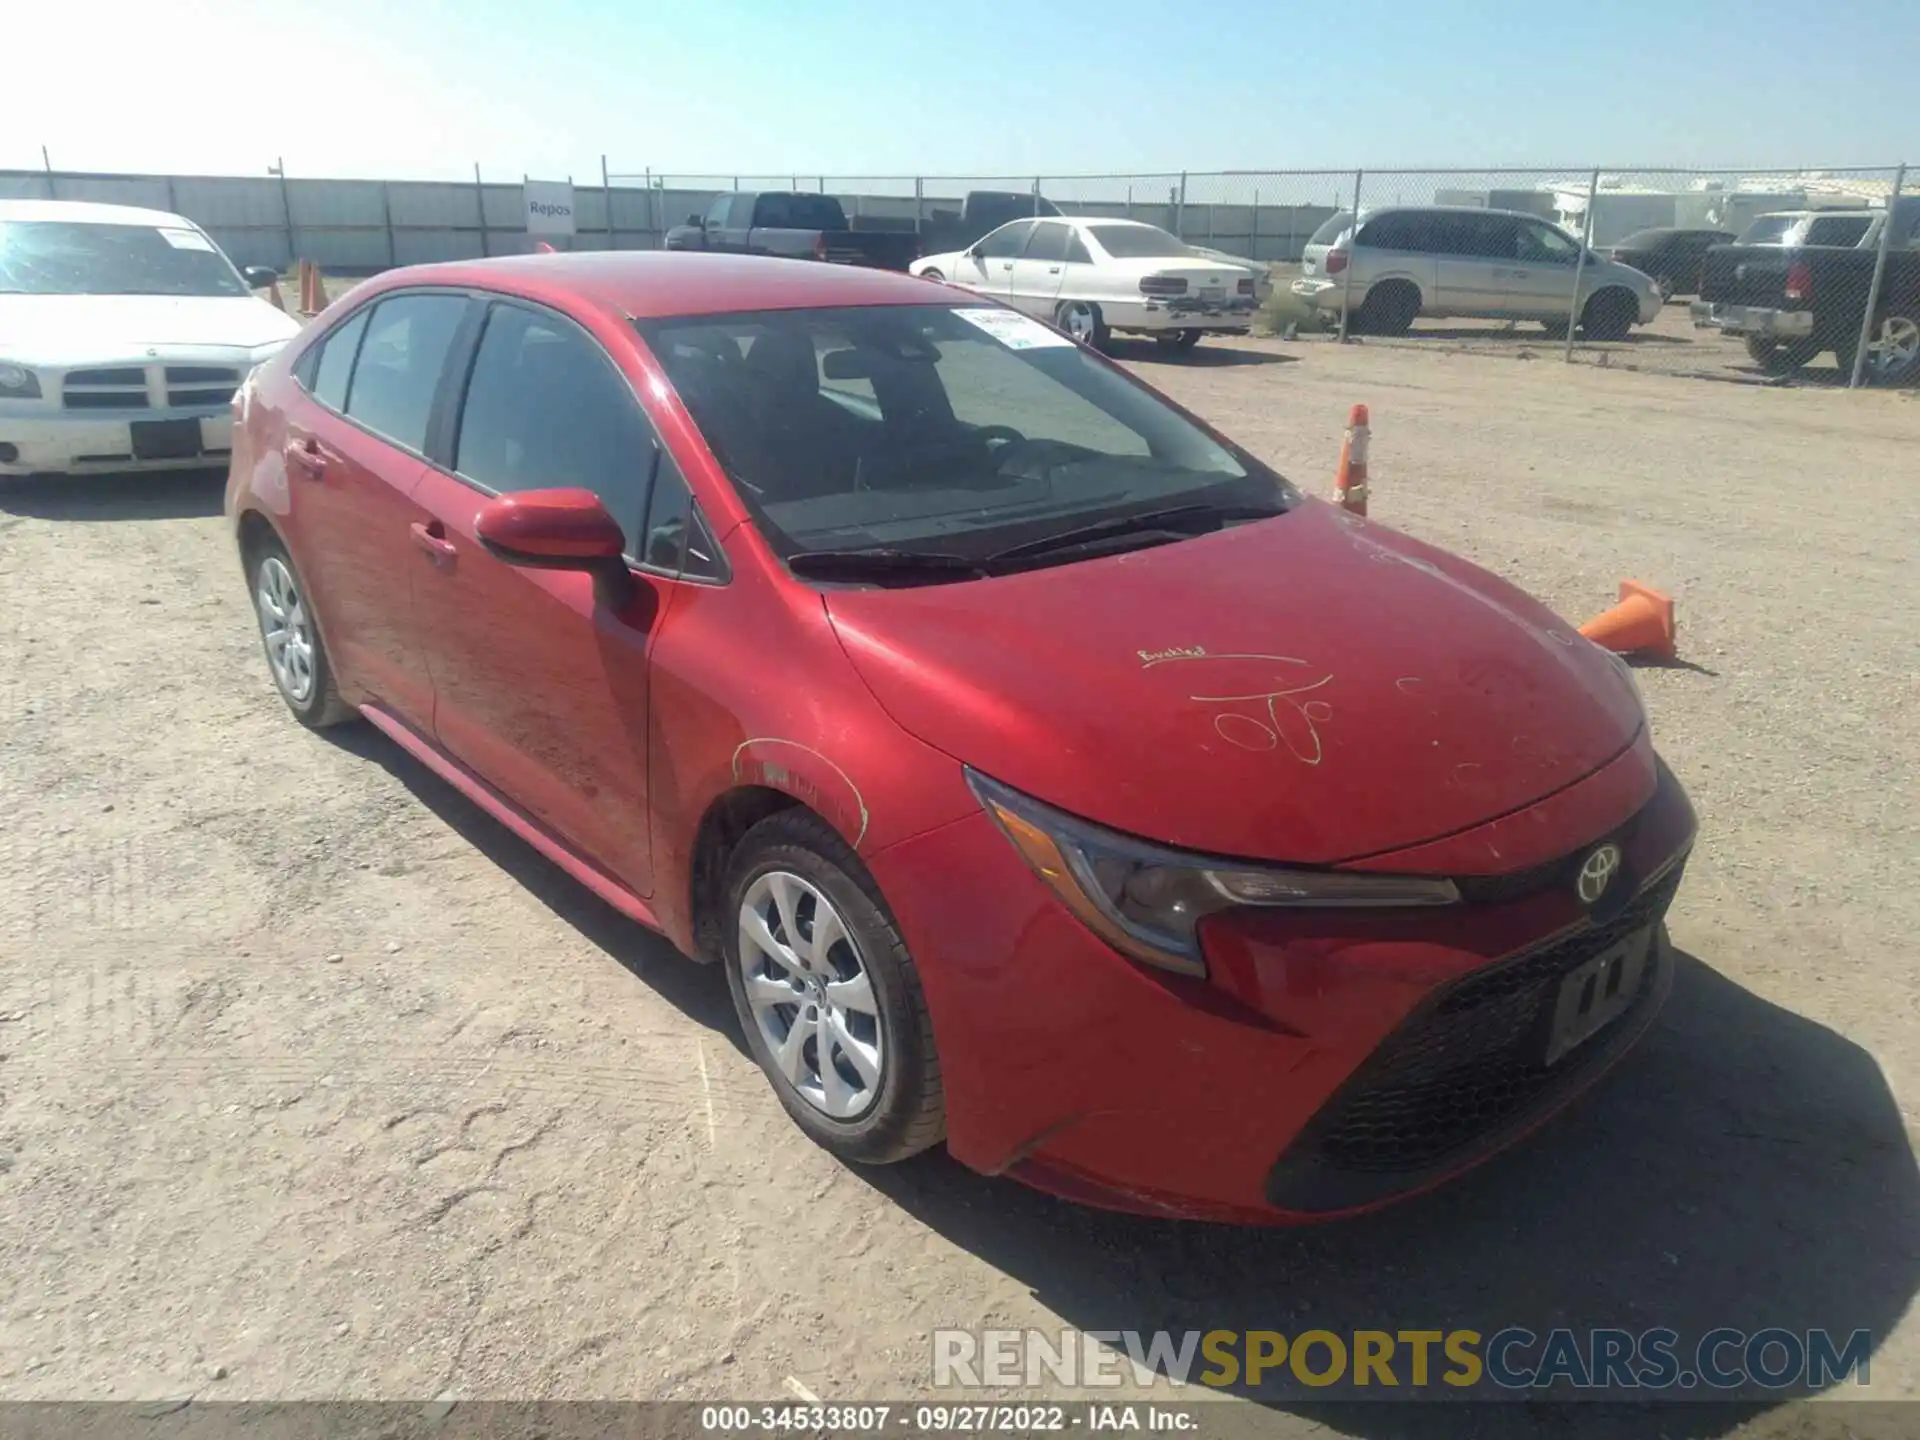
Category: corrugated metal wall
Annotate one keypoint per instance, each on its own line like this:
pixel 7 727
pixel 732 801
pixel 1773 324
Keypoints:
pixel 360 226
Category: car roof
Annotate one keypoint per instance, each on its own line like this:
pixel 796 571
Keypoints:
pixel 87 212
pixel 648 284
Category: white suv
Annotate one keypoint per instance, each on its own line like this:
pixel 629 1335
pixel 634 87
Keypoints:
pixel 1442 261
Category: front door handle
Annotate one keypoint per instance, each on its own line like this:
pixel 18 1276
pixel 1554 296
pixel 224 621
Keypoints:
pixel 432 538
pixel 305 456
pixel 1053 269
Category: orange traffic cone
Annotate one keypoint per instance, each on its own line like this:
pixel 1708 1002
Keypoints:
pixel 1642 622
pixel 1350 480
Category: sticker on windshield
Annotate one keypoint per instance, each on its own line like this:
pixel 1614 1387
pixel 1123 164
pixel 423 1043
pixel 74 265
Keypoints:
pixel 186 240
pixel 1013 330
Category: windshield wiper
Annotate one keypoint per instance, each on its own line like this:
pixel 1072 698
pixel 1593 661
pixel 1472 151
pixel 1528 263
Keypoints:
pixel 881 563
pixel 1171 518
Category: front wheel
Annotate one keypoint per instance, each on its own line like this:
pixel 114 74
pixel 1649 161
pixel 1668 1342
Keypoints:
pixel 1081 319
pixel 1893 351
pixel 1610 315
pixel 828 995
pixel 1177 340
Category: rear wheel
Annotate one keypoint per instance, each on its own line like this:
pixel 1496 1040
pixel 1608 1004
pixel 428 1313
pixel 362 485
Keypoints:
pixel 1893 351
pixel 1389 309
pixel 1177 339
pixel 828 995
pixel 1782 357
pixel 1081 319
pixel 931 275
pixel 1610 315
pixel 296 656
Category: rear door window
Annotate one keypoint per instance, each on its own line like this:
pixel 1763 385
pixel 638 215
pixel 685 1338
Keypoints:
pixel 1389 232
pixel 1049 241
pixel 398 370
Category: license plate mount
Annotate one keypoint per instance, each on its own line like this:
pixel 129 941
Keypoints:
pixel 1598 993
pixel 166 439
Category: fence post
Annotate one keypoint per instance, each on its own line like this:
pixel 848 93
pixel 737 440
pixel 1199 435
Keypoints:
pixel 919 204
pixel 606 199
pixel 1180 210
pixel 386 211
pixel 1129 201
pixel 1346 291
pixel 286 207
pixel 480 207
pixel 46 163
pixel 1580 264
pixel 1879 275
pixel 653 209
pixel 1253 229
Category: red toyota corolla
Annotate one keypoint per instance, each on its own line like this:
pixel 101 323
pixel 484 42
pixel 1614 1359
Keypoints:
pixel 1051 777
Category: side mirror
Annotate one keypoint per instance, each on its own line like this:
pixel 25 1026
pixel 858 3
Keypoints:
pixel 559 530
pixel 696 219
pixel 260 276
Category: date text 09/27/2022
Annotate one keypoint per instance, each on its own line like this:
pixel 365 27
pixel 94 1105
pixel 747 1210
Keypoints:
pixel 947 1419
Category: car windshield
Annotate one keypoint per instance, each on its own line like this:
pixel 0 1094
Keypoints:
pixel 59 257
pixel 1139 242
pixel 1767 230
pixel 936 429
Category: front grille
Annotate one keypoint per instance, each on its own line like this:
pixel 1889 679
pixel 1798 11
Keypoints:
pixel 1468 1063
pixel 122 387
pixel 201 384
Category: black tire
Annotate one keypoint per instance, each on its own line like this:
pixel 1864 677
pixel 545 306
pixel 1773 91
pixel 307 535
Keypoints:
pixel 1389 309
pixel 908 1114
pixel 931 275
pixel 1609 315
pixel 1782 357
pixel 1177 340
pixel 1899 318
pixel 1095 339
pixel 1556 329
pixel 320 705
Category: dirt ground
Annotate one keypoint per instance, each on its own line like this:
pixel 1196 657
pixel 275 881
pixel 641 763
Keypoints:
pixel 314 1083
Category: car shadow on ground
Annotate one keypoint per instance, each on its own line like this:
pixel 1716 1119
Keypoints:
pixel 1745 1167
pixel 700 991
pixel 159 495
pixel 1202 357
pixel 1527 334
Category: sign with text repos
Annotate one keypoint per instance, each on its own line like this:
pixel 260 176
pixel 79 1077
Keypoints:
pixel 549 207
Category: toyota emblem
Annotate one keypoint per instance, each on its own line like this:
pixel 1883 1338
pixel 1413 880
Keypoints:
pixel 1597 872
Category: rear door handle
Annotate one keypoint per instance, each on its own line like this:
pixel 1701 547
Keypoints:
pixel 304 455
pixel 1053 269
pixel 432 538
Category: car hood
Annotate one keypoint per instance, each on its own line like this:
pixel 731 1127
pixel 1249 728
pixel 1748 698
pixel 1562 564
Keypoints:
pixel 63 329
pixel 1312 688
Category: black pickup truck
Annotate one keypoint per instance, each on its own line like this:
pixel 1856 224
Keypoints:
pixel 980 214
pixel 1796 297
pixel 796 224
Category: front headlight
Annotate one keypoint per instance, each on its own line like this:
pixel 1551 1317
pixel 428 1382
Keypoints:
pixel 17 382
pixel 1147 902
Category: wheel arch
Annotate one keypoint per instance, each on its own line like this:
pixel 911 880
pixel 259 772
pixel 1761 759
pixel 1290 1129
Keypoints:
pixel 724 823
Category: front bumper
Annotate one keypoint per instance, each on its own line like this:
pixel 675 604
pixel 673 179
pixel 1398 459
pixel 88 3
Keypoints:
pixel 1257 1096
pixel 1232 315
pixel 1752 320
pixel 83 443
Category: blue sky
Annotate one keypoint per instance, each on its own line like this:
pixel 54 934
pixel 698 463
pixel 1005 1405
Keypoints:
pixel 424 89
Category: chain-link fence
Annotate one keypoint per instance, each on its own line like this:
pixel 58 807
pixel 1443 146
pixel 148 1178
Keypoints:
pixel 1593 262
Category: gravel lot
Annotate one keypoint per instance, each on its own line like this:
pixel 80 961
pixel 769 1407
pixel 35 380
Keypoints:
pixel 315 1083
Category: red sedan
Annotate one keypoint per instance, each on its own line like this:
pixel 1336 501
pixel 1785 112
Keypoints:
pixel 1051 777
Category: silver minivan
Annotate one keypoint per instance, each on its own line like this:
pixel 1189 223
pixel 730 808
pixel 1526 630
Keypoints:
pixel 1446 261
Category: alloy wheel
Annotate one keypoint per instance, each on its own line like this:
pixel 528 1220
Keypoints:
pixel 810 995
pixel 1077 321
pixel 286 628
pixel 1895 348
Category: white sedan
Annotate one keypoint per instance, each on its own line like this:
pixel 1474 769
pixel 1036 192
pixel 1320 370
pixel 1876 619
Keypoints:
pixel 1096 277
pixel 124 334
